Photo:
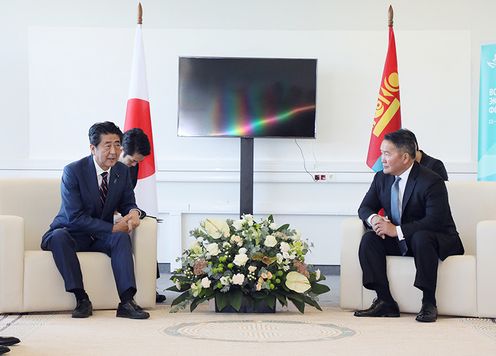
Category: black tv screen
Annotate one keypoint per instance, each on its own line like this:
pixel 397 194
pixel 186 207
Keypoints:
pixel 247 97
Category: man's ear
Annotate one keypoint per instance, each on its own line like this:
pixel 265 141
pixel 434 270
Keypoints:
pixel 92 149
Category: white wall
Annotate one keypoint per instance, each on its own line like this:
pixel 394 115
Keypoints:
pixel 65 65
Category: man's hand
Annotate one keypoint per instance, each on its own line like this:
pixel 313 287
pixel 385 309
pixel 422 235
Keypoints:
pixel 128 223
pixel 383 227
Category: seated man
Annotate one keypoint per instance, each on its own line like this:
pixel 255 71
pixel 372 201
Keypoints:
pixel 135 147
pixel 425 160
pixel 420 225
pixel 93 188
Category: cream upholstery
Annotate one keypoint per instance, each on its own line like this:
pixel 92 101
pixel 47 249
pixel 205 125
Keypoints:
pixel 29 279
pixel 466 284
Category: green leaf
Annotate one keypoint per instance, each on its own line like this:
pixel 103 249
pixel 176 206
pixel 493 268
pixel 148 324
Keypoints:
pixel 320 288
pixel 235 299
pixel 283 227
pixel 195 303
pixel 271 301
pixel 174 289
pixel 182 297
pixel 270 218
pixel 299 304
pixel 312 302
pixel 221 300
pixel 282 299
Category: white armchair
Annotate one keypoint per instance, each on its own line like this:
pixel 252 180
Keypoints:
pixel 466 285
pixel 29 279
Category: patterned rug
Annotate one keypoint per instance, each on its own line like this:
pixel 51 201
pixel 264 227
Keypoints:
pixel 203 332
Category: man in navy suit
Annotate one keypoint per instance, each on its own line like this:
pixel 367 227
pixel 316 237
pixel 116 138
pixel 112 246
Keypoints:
pixel 421 226
pixel 92 189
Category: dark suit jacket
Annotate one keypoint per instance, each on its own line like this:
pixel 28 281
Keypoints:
pixel 134 174
pixel 425 207
pixel 434 164
pixel 81 211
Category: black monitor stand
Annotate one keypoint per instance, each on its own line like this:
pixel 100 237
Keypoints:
pixel 246 177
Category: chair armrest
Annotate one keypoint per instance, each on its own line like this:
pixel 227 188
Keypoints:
pixel 145 261
pixel 486 268
pixel 11 263
pixel 352 230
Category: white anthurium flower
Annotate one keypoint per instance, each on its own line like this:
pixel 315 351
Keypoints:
pixel 178 285
pixel 205 282
pixel 216 228
pixel 270 241
pixel 297 282
pixel 238 279
pixel 285 247
pixel 317 274
pixel 252 269
pixel 240 259
pixel 213 249
pixel 238 224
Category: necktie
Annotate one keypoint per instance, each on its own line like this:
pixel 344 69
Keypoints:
pixel 396 211
pixel 103 188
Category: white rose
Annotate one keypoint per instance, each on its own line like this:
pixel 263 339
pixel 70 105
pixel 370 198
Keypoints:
pixel 242 250
pixel 249 219
pixel 213 249
pixel 216 228
pixel 238 278
pixel 252 269
pixel 270 241
pixel 205 282
pixel 285 247
pixel 238 224
pixel 240 259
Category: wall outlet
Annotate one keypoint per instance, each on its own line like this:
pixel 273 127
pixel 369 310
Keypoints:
pixel 320 177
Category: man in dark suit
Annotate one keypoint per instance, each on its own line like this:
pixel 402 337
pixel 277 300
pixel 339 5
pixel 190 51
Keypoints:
pixel 420 225
pixel 93 188
pixel 430 162
pixel 135 147
pixel 6 341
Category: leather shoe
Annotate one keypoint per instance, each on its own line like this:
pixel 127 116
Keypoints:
pixel 159 298
pixel 84 309
pixel 4 349
pixel 8 340
pixel 427 314
pixel 131 310
pixel 380 308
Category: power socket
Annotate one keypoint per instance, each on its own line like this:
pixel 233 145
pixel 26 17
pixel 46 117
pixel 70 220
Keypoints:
pixel 320 177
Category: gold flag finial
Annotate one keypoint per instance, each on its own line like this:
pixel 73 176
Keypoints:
pixel 390 16
pixel 140 14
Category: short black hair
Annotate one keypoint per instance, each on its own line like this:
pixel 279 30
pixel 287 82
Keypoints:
pixel 413 136
pixel 403 140
pixel 103 128
pixel 135 141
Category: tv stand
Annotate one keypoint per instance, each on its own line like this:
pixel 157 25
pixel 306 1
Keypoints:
pixel 246 176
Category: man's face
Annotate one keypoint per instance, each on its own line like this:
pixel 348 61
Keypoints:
pixel 108 150
pixel 131 160
pixel 394 161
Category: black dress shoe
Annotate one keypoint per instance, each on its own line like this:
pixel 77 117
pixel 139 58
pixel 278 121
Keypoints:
pixel 131 310
pixel 8 340
pixel 380 308
pixel 427 314
pixel 84 309
pixel 4 349
pixel 159 298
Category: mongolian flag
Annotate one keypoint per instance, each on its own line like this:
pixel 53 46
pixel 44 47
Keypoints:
pixel 138 116
pixel 387 112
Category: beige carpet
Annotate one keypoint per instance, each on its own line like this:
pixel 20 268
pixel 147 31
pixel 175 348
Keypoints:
pixel 203 332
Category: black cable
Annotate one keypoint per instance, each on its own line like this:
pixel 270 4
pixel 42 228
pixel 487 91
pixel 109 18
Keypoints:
pixel 304 162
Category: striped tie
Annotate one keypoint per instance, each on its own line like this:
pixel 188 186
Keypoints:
pixel 103 188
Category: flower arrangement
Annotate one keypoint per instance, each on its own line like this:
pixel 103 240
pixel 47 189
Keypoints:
pixel 243 261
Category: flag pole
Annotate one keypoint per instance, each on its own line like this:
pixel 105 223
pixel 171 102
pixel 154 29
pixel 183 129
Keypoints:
pixel 390 16
pixel 140 14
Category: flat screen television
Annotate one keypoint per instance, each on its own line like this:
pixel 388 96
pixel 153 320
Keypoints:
pixel 247 97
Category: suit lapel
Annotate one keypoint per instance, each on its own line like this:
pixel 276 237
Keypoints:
pixel 112 188
pixel 92 184
pixel 410 185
